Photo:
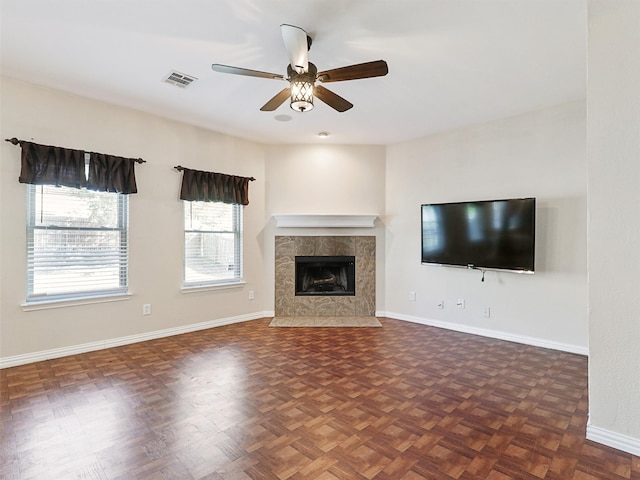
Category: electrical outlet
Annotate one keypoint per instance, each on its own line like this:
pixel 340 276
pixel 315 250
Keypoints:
pixel 460 303
pixel 251 295
pixel 146 309
pixel 440 305
pixel 412 296
pixel 486 313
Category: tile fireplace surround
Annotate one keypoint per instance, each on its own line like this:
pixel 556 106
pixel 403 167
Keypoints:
pixel 363 304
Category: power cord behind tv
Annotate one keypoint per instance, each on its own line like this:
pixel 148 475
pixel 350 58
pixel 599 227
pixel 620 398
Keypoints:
pixel 473 267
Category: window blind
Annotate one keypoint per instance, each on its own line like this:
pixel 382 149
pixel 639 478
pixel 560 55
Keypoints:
pixel 77 242
pixel 212 243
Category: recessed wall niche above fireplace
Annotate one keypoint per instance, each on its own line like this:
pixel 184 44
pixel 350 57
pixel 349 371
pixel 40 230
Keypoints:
pixel 360 303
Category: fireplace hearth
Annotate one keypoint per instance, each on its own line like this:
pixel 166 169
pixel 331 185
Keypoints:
pixel 325 275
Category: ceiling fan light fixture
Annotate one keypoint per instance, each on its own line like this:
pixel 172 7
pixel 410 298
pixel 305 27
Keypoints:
pixel 302 88
pixel 301 96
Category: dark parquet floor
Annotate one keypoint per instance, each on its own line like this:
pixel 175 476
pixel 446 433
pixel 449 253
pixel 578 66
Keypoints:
pixel 246 401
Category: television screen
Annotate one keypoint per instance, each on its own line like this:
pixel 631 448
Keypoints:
pixel 492 234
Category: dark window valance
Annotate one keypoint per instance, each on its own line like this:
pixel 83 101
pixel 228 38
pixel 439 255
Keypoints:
pixel 112 174
pixel 49 165
pixel 213 187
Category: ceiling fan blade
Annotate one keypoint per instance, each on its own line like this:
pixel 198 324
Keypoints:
pixel 216 67
pixel 377 68
pixel 333 100
pixel 276 101
pixel 297 44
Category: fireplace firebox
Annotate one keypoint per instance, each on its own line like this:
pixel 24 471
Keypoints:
pixel 325 275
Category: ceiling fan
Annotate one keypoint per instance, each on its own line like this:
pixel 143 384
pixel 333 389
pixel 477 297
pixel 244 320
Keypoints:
pixel 302 75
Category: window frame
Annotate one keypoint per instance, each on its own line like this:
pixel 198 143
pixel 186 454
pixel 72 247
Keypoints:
pixel 238 249
pixel 71 295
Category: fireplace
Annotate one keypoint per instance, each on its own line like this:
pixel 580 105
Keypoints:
pixel 360 249
pixel 325 275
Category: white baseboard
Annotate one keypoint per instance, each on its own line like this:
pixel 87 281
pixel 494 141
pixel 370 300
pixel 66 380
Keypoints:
pixel 23 359
pixel 483 332
pixel 614 440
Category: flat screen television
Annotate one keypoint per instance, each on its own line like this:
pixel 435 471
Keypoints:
pixel 488 234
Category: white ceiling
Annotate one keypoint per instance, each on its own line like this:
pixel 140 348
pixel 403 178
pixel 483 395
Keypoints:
pixel 452 63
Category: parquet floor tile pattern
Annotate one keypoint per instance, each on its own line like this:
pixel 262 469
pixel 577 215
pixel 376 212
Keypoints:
pixel 246 401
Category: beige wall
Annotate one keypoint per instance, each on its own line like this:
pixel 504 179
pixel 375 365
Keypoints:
pixel 613 123
pixel 332 179
pixel 156 220
pixel 540 154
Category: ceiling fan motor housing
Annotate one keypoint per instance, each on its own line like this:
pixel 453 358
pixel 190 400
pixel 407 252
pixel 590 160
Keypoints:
pixel 308 76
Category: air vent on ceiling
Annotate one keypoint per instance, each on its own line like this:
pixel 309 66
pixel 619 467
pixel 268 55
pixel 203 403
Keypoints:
pixel 178 79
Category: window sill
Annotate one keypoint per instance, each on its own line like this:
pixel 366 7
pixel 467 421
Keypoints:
pixel 48 304
pixel 217 286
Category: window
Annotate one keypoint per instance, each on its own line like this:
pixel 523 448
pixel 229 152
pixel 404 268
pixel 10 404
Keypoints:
pixel 76 243
pixel 212 243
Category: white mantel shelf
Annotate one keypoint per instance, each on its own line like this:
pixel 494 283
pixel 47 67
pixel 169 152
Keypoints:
pixel 324 221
